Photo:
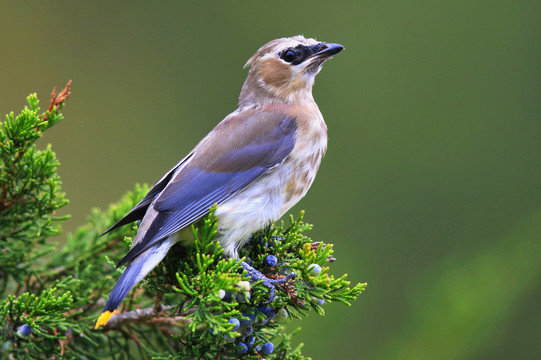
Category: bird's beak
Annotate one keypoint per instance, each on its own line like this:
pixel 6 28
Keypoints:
pixel 328 50
pixel 323 52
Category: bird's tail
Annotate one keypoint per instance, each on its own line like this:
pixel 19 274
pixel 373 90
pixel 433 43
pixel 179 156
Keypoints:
pixel 136 270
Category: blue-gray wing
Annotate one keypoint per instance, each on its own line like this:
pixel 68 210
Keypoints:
pixel 238 151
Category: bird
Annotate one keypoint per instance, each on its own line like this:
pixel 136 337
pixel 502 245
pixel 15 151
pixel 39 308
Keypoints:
pixel 256 164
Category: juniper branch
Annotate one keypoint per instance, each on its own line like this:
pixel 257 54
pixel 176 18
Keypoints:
pixel 148 316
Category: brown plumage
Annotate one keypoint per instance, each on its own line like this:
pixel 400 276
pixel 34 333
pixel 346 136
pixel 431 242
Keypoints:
pixel 255 164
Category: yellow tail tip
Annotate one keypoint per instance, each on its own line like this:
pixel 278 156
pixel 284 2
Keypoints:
pixel 104 317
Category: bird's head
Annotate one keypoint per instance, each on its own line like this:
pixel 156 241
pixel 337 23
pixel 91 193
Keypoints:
pixel 283 70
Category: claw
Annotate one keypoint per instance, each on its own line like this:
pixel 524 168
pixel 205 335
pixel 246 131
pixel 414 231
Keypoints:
pixel 256 275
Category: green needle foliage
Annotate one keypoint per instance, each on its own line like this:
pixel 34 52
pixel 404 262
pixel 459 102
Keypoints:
pixel 29 190
pixel 197 304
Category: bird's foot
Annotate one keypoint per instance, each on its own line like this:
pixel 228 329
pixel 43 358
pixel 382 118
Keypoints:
pixel 256 275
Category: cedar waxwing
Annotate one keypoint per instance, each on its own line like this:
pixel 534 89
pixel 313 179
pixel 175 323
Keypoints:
pixel 255 164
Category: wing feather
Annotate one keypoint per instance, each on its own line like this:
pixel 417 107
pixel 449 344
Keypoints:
pixel 237 152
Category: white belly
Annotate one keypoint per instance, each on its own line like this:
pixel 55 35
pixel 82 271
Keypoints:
pixel 265 200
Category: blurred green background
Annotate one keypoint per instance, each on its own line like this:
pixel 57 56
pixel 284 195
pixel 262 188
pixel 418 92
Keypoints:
pixel 430 189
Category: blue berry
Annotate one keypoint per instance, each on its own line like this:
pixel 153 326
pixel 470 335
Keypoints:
pixel 243 285
pixel 262 321
pixel 246 330
pixel 267 348
pixel 271 260
pixel 250 342
pixel 320 302
pixel 235 322
pixel 227 296
pixel 229 339
pixel 276 241
pixel 251 318
pixel 314 269
pixel 282 315
pixel 269 312
pixel 242 348
pixel 24 330
pixel 243 297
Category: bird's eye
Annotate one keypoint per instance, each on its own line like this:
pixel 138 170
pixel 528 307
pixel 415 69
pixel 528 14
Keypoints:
pixel 288 56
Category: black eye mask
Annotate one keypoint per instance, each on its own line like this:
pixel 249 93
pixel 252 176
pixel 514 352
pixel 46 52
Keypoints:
pixel 299 53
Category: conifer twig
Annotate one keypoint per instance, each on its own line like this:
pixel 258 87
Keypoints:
pixel 150 316
pixel 57 100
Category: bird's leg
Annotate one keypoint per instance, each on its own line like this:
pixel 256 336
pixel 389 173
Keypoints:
pixel 256 275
